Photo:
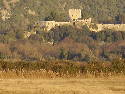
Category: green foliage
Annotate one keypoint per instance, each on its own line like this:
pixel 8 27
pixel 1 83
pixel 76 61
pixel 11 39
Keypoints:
pixel 85 28
pixel 59 33
pixel 108 36
pixel 19 35
pixel 55 16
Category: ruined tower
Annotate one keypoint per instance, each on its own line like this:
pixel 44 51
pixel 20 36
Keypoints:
pixel 74 14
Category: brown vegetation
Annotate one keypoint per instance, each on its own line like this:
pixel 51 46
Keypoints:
pixel 61 68
pixel 63 86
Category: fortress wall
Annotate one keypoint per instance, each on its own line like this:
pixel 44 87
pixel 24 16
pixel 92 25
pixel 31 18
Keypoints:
pixel 47 25
pixel 116 27
pixel 85 21
pixel 62 23
pixel 75 15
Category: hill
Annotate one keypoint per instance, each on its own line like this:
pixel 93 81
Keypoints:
pixel 70 43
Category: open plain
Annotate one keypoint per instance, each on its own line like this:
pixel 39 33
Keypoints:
pixel 63 86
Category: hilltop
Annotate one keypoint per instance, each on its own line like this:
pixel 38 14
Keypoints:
pixel 101 10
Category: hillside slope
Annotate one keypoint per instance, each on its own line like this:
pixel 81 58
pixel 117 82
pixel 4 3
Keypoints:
pixel 101 10
pixel 71 43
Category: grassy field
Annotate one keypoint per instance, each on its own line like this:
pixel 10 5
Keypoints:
pixel 63 86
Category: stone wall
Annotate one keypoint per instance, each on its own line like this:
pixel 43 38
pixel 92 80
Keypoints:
pixel 115 27
pixel 85 21
pixel 62 23
pixel 47 25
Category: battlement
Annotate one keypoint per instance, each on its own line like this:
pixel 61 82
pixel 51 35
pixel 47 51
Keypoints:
pixel 75 14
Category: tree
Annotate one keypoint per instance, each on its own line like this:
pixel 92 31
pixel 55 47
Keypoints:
pixel 19 35
pixel 56 16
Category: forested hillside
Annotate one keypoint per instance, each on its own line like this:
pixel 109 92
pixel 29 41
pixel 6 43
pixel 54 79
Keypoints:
pixel 20 14
pixel 100 10
pixel 66 42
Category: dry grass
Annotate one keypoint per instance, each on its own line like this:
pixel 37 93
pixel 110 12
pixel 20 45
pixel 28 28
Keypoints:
pixel 48 82
pixel 29 78
pixel 38 74
pixel 44 74
pixel 62 86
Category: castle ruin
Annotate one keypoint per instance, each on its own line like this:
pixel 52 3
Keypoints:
pixel 75 17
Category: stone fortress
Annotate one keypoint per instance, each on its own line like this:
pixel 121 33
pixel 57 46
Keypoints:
pixel 76 18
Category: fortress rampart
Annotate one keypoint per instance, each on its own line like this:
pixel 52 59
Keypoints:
pixel 48 25
pixel 75 19
pixel 115 27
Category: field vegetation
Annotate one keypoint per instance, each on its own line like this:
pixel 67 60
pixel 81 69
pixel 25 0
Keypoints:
pixel 63 86
pixel 61 69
